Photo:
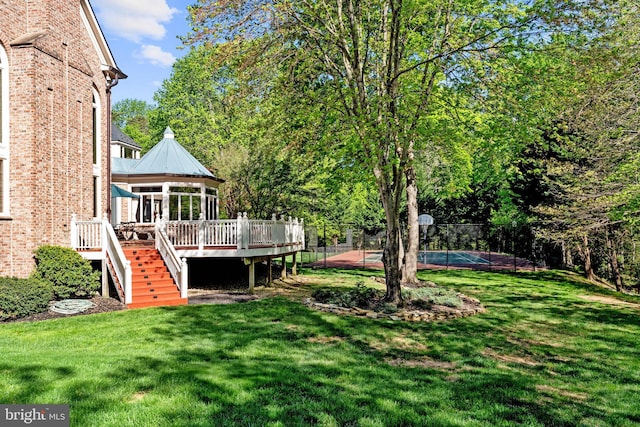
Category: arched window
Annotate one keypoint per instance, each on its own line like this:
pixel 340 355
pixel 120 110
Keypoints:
pixel 4 133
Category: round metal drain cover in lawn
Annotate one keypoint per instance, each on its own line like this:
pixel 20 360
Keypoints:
pixel 71 306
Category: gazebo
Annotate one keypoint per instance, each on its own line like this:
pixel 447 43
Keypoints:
pixel 170 184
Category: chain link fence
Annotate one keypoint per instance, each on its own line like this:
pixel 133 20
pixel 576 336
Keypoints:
pixel 510 246
pixel 478 246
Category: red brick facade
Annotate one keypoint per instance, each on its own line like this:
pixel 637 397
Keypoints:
pixel 55 69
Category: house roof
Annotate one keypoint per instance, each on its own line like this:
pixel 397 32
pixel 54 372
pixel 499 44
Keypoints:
pixel 107 63
pixel 167 157
pixel 118 136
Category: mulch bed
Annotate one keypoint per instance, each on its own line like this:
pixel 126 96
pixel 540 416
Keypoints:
pixel 102 305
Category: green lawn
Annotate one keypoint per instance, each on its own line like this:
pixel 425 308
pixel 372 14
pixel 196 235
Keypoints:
pixel 545 353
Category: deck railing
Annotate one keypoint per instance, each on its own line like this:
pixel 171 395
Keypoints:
pixel 240 233
pixel 99 235
pixel 86 235
pixel 119 263
pixel 177 267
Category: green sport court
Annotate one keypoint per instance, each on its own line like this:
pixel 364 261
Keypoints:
pixel 439 258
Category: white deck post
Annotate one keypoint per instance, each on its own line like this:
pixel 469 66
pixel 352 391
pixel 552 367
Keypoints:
pixel 201 233
pixel 105 278
pixel 246 232
pixel 239 231
pixel 289 229
pixel 184 279
pixel 274 230
pixel 128 285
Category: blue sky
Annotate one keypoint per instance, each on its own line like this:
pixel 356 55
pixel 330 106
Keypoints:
pixel 142 35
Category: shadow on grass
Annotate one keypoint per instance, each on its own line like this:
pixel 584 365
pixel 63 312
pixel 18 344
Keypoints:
pixel 264 362
pixel 539 356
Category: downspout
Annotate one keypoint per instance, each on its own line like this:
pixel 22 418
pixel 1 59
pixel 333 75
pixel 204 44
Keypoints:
pixel 110 83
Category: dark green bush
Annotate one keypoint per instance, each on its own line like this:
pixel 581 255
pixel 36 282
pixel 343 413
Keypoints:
pixel 326 296
pixel 69 274
pixel 23 297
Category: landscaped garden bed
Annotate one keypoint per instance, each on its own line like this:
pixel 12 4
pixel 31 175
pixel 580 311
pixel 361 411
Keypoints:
pixel 422 302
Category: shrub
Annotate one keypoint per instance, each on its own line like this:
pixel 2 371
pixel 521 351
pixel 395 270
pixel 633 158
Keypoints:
pixel 23 297
pixel 426 296
pixel 360 296
pixel 327 296
pixel 69 274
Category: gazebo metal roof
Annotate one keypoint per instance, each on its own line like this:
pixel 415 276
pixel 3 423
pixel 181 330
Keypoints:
pixel 167 157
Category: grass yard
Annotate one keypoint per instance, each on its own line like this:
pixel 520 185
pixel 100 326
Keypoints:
pixel 549 351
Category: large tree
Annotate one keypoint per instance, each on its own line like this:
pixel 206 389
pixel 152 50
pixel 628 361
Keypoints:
pixel 132 117
pixel 592 172
pixel 383 61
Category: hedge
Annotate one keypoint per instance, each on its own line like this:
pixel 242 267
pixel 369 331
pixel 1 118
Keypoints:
pixel 23 297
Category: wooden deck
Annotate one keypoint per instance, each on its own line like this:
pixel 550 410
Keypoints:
pixel 252 241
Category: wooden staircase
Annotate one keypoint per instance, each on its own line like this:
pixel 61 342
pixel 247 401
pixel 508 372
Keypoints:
pixel 152 284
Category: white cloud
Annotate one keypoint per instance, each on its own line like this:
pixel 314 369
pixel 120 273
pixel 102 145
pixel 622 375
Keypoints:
pixel 135 20
pixel 156 56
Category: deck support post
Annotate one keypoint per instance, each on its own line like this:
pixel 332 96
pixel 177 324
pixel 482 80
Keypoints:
pixel 270 271
pixel 283 274
pixel 105 278
pixel 252 274
pixel 294 265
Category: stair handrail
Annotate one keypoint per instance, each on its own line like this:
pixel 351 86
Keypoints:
pixel 121 265
pixel 177 267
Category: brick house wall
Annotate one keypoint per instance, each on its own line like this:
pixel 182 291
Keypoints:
pixel 55 71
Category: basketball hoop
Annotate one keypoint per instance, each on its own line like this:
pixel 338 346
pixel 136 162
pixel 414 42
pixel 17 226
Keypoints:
pixel 424 221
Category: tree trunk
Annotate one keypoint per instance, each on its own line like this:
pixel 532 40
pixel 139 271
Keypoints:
pixel 567 256
pixel 410 265
pixel 390 197
pixel 613 262
pixel 585 252
pixel 391 260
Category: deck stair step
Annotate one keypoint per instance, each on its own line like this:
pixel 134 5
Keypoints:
pixel 152 284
